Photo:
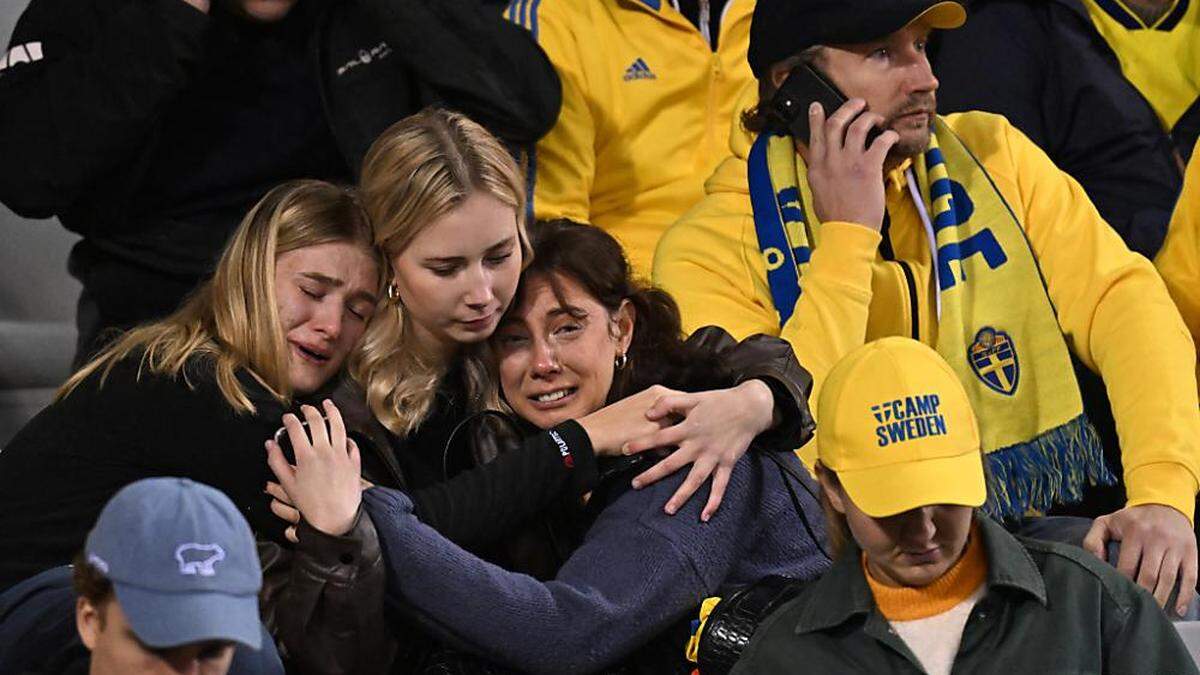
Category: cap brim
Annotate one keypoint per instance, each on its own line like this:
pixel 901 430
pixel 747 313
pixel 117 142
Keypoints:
pixel 162 620
pixel 885 491
pixel 943 15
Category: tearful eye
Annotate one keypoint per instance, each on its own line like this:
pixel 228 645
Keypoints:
pixel 510 340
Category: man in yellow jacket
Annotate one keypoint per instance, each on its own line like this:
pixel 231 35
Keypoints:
pixel 974 243
pixel 1179 259
pixel 648 94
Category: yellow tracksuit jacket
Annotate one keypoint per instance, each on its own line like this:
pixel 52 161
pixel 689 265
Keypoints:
pixel 1179 258
pixel 1111 304
pixel 645 117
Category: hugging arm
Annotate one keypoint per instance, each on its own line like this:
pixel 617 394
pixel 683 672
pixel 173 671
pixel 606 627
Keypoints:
pixel 637 572
pixel 767 403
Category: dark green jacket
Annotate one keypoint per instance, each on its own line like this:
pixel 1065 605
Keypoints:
pixel 1049 608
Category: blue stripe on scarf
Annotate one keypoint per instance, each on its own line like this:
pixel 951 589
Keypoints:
pixel 533 19
pixel 939 188
pixel 784 280
pixel 1052 468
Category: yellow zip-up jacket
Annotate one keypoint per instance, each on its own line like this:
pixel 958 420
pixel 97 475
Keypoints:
pixel 647 106
pixel 1179 258
pixel 1111 304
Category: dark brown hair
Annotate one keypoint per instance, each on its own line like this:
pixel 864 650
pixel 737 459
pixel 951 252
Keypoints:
pixel 593 258
pixel 90 584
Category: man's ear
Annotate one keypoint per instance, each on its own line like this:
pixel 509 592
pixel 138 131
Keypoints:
pixel 88 622
pixel 626 319
pixel 832 488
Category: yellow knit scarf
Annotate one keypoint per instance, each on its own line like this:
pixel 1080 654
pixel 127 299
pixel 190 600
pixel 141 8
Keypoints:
pixel 997 328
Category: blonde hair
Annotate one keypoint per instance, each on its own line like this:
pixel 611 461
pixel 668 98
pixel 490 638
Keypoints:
pixel 417 171
pixel 233 319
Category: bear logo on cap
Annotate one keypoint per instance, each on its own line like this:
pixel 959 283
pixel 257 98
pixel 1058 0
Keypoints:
pixel 199 559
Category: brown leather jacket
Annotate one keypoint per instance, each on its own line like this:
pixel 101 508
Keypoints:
pixel 323 599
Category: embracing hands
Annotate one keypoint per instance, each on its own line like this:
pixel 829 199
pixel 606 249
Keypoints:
pixel 1158 548
pixel 324 486
pixel 711 430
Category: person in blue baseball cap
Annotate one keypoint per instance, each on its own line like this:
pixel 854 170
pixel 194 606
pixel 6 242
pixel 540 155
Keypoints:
pixel 169 581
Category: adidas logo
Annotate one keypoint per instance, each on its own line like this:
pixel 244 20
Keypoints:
pixel 638 70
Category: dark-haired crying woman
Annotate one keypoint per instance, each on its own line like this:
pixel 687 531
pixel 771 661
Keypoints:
pixel 582 333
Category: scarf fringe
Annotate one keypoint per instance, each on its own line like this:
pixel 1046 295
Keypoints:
pixel 1052 468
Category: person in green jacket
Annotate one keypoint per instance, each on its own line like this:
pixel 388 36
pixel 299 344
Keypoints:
pixel 923 582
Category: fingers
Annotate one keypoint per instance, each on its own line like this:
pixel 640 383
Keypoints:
pixel 354 454
pixel 716 492
pixel 276 490
pixel 1150 566
pixel 1187 579
pixel 1097 538
pixel 836 125
pixel 1127 561
pixel 663 438
pixel 285 512
pixel 285 472
pixel 316 426
pixel 816 133
pixel 337 428
pixel 297 435
pixel 675 404
pixel 669 465
pixel 856 133
pixel 882 145
pixel 700 472
pixel 290 534
pixel 1167 573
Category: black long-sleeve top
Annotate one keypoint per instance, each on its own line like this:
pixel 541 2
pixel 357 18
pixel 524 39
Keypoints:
pixel 62 467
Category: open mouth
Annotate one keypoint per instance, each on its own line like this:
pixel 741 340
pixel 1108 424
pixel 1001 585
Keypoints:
pixel 552 399
pixel 312 355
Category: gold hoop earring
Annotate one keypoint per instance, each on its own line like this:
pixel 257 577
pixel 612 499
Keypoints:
pixel 393 293
pixel 620 361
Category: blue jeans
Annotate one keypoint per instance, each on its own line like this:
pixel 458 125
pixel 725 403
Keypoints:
pixel 1072 530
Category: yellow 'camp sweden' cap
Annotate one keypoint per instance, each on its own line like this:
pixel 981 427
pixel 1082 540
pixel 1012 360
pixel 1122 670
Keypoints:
pixel 895 425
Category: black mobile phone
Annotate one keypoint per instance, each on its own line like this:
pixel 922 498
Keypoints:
pixel 789 107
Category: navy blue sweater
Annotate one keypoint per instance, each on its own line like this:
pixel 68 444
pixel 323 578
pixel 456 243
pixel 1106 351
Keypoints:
pixel 637 571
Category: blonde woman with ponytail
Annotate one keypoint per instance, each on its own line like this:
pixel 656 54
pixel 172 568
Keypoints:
pixel 196 393
pixel 447 202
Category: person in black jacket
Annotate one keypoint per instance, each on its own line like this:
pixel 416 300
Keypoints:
pixel 150 126
pixel 609 579
pixel 197 394
pixel 1044 67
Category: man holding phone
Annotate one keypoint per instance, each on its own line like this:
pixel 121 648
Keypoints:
pixel 956 231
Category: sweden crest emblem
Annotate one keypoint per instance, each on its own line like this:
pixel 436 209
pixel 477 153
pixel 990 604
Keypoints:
pixel 993 357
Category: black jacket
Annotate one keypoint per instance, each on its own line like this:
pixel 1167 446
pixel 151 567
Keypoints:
pixel 150 128
pixel 61 468
pixel 1041 64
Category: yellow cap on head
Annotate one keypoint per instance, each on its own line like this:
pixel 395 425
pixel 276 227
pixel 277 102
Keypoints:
pixel 895 425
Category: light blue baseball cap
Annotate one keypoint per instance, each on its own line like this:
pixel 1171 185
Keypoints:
pixel 182 562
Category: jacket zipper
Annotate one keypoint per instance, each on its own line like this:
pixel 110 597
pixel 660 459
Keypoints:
pixel 911 281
